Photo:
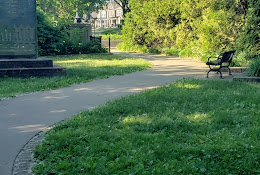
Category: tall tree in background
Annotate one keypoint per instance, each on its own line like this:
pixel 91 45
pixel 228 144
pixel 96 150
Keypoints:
pixel 249 40
pixel 65 9
pixel 195 27
pixel 124 4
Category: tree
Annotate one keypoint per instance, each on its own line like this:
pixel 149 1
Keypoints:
pixel 124 4
pixel 249 40
pixel 65 9
pixel 193 27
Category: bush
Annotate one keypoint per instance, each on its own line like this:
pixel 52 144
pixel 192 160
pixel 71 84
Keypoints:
pixel 62 39
pixel 171 51
pixel 254 68
pixel 67 48
pixel 154 50
pixel 112 37
pixel 125 46
pixel 49 37
pixel 240 60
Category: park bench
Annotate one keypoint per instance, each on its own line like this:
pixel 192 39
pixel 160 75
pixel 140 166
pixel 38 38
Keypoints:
pixel 223 61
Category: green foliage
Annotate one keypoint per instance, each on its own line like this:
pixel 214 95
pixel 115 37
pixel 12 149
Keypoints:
pixel 249 40
pixel 171 51
pixel 62 39
pixel 79 69
pixel 254 68
pixel 79 48
pixel 64 10
pixel 108 31
pixel 154 50
pixel 240 60
pixel 113 33
pixel 189 127
pixel 49 37
pixel 112 36
pixel 124 46
pixel 192 28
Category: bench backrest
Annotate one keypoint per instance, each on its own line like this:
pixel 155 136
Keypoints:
pixel 227 56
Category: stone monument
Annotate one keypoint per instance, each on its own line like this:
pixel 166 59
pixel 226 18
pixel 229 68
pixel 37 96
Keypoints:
pixel 18 41
pixel 83 27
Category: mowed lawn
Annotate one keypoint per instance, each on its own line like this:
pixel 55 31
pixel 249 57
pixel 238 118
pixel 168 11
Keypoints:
pixel 188 127
pixel 80 68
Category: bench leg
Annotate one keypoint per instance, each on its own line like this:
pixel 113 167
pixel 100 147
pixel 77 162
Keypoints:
pixel 208 73
pixel 220 75
pixel 229 71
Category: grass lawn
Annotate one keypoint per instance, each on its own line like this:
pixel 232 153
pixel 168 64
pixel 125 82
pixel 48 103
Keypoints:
pixel 113 37
pixel 107 31
pixel 113 33
pixel 80 68
pixel 189 127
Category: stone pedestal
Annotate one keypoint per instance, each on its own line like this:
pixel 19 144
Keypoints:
pixel 18 42
pixel 24 68
pixel 86 31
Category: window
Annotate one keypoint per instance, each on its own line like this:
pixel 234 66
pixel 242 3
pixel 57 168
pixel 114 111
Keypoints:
pixel 112 13
pixel 119 13
pixel 103 14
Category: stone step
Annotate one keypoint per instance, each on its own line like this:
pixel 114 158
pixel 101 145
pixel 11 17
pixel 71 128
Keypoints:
pixel 234 69
pixel 238 69
pixel 33 72
pixel 25 63
pixel 247 78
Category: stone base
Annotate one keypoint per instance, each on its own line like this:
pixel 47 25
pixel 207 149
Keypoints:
pixel 235 69
pixel 248 79
pixel 24 68
pixel 25 63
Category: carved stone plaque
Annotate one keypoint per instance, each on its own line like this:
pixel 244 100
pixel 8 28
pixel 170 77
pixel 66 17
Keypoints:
pixel 18 29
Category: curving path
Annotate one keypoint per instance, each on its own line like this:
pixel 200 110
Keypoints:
pixel 23 117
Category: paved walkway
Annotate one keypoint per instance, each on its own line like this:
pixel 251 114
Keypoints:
pixel 24 116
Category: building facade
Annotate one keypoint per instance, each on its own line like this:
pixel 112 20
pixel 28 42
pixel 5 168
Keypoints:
pixel 110 16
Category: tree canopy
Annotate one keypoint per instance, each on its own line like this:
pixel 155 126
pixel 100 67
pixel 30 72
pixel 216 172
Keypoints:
pixel 195 27
pixel 65 9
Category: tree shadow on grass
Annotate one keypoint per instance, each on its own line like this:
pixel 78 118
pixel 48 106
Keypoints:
pixel 191 126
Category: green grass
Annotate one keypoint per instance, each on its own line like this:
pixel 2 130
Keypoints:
pixel 189 127
pixel 80 68
pixel 107 31
pixel 113 33
pixel 112 37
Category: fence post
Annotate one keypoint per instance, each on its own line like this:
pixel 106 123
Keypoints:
pixel 109 44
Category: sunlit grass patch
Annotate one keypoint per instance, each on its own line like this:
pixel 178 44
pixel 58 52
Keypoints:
pixel 80 68
pixel 209 129
pixel 189 86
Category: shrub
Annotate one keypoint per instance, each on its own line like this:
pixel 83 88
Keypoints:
pixel 49 37
pixel 186 52
pixel 62 39
pixel 250 36
pixel 68 47
pixel 154 50
pixel 240 60
pixel 171 51
pixel 126 46
pixel 254 68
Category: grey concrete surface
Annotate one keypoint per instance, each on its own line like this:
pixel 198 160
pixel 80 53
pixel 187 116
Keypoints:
pixel 24 116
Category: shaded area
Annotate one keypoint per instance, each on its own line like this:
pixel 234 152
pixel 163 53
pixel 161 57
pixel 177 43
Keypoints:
pixel 192 126
pixel 80 68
